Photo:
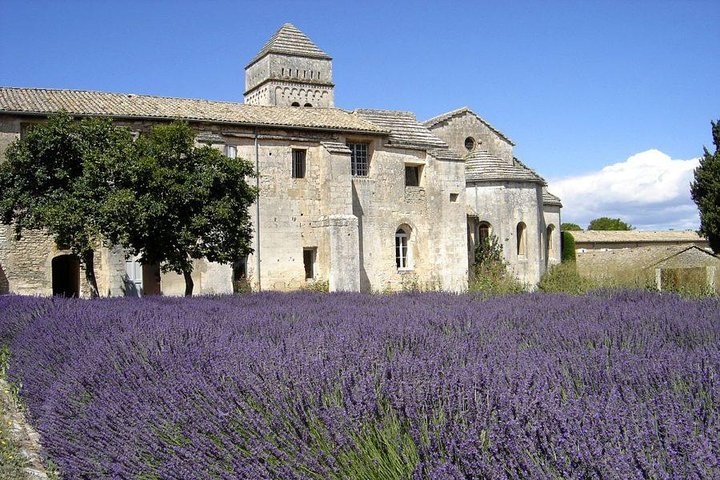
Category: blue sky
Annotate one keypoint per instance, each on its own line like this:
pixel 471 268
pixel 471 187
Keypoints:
pixel 578 86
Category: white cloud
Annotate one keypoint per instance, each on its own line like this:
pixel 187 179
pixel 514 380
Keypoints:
pixel 650 190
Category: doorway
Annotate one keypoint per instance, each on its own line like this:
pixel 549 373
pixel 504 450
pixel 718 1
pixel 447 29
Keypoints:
pixel 66 276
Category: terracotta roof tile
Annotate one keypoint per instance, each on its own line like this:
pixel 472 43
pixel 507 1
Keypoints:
pixel 80 102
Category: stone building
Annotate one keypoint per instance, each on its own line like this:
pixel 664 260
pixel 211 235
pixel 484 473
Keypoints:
pixel 365 200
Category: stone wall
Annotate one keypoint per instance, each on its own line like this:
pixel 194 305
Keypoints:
pixel 437 239
pixel 349 221
pixel 283 79
pixel 456 129
pixel 504 205
pixel 551 216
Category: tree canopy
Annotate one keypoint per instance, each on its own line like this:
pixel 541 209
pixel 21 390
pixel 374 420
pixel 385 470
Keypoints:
pixel 607 223
pixel 161 197
pixel 58 177
pixel 570 227
pixel 187 202
pixel 705 190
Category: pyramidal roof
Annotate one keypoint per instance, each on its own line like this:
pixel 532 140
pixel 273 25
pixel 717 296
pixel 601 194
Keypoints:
pixel 289 40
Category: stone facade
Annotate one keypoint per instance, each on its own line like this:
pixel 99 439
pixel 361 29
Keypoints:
pixel 384 202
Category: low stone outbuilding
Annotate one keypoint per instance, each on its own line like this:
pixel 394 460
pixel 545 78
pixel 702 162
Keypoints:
pixel 613 239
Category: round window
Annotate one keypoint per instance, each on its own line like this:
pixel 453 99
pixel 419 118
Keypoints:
pixel 469 143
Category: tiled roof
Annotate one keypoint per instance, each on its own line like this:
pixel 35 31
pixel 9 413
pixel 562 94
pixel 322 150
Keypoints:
pixel 481 165
pixel 336 147
pixel 631 236
pixel 550 199
pixel 289 40
pixel 81 102
pixel 404 128
pixel 461 111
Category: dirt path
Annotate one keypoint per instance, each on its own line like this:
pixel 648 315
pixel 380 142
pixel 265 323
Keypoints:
pixel 21 435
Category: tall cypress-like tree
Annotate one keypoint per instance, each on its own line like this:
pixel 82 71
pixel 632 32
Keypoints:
pixel 705 191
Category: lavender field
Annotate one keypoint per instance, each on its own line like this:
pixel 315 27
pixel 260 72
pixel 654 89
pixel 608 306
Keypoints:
pixel 338 386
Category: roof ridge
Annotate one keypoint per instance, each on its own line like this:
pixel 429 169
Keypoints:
pixel 387 110
pixel 458 111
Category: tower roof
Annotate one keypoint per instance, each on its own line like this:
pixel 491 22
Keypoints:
pixel 289 40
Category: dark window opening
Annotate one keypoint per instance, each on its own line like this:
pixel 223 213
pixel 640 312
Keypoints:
pixel 483 232
pixel 359 162
pixel 453 197
pixel 66 276
pixel 469 143
pixel 308 105
pixel 309 255
pixel 412 176
pixel 298 163
pixel 295 104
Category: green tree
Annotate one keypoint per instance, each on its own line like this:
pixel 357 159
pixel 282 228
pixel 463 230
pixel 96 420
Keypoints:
pixel 606 223
pixel 705 191
pixel 570 227
pixel 187 203
pixel 58 178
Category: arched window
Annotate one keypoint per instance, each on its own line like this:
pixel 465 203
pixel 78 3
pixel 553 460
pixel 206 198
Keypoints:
pixel 484 229
pixel 521 239
pixel 295 104
pixel 308 105
pixel 548 241
pixel 401 249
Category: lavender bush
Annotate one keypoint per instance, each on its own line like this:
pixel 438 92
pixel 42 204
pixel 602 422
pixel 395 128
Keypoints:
pixel 312 386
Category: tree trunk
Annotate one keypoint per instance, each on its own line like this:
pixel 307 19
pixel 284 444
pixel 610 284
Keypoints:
pixel 89 261
pixel 189 284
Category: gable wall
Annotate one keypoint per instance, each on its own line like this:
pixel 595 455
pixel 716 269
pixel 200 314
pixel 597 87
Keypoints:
pixel 456 129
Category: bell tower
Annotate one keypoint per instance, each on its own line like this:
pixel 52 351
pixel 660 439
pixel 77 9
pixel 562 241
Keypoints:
pixel 290 70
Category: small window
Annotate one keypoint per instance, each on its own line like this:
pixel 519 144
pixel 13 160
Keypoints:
pixel 469 143
pixel 294 104
pixel 453 197
pixel 412 176
pixel 401 249
pixel 359 162
pixel 308 105
pixel 309 255
pixel 548 240
pixel 521 239
pixel 298 163
pixel 483 232
pixel 231 151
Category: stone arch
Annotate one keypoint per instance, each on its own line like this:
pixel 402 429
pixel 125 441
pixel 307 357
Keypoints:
pixel 548 241
pixel 405 239
pixel 66 275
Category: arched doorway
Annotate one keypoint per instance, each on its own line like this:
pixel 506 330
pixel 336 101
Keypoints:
pixel 66 276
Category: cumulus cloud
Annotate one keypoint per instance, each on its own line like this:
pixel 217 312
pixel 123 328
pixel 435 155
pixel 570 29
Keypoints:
pixel 650 190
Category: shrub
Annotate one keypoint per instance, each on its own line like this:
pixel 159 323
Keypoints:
pixel 490 274
pixel 564 278
pixel 567 242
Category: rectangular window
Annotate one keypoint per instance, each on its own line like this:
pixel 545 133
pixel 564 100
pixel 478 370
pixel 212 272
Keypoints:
pixel 231 151
pixel 298 163
pixel 309 255
pixel 359 162
pixel 412 176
